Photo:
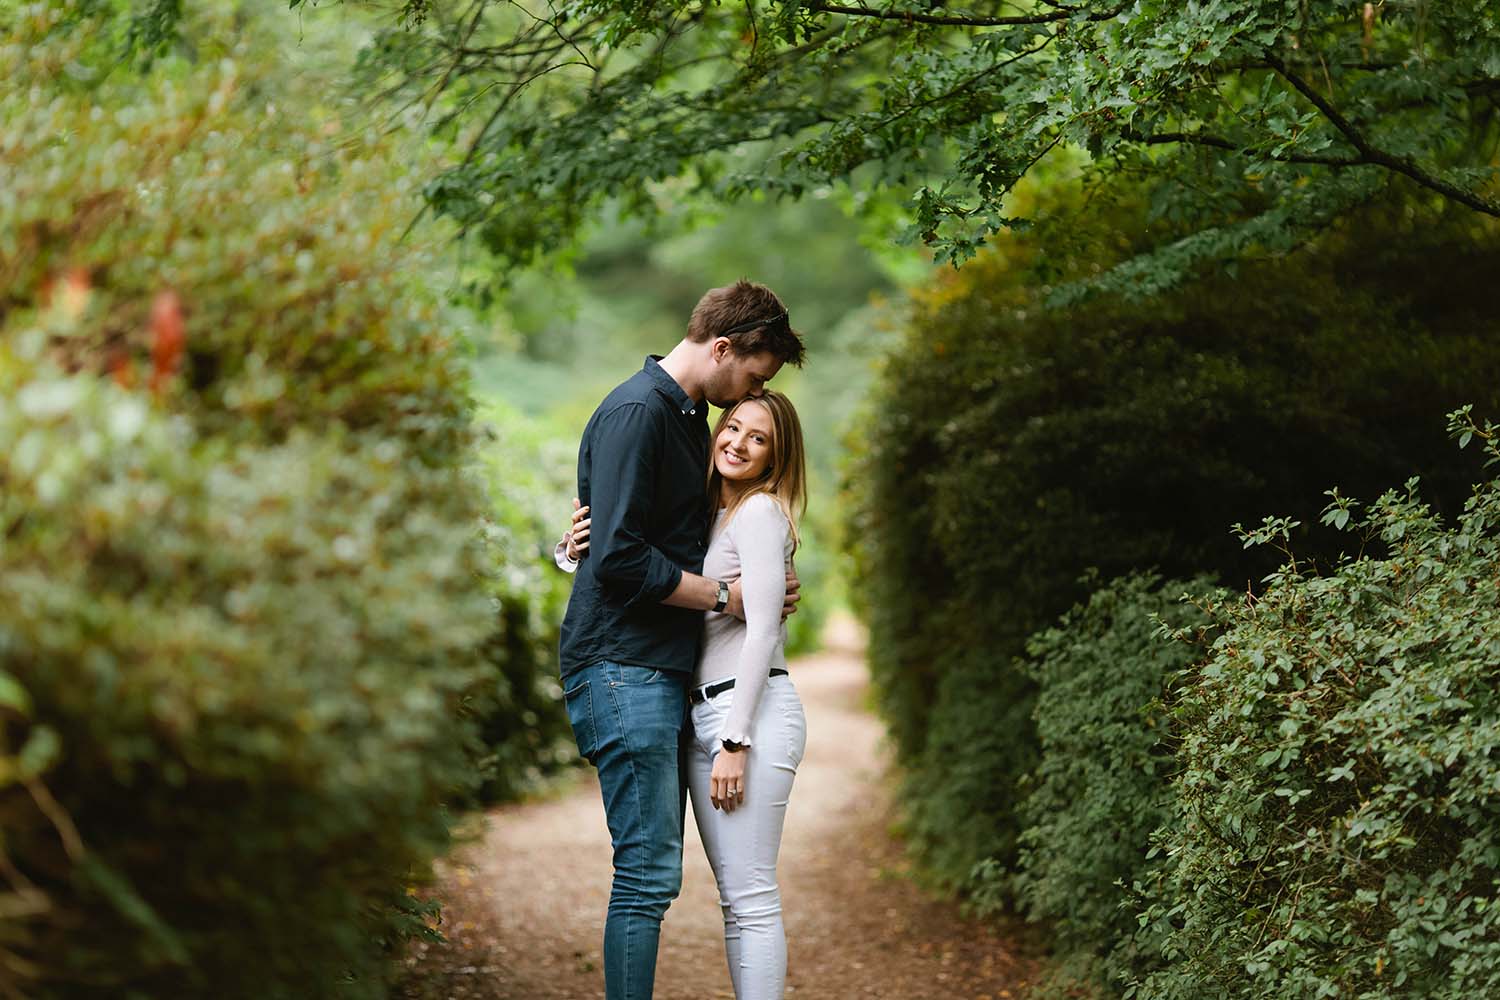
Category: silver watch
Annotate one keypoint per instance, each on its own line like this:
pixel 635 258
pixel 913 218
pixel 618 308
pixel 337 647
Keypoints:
pixel 723 596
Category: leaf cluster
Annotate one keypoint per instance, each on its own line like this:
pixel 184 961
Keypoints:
pixel 1253 123
pixel 1334 832
pixel 1102 786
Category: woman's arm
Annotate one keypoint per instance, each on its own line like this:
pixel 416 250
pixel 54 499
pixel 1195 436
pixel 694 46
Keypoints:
pixel 761 532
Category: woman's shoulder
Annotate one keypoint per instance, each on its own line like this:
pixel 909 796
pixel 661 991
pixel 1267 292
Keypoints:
pixel 762 508
pixel 761 517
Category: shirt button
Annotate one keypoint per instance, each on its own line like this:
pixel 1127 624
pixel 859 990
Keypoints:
pixel 692 413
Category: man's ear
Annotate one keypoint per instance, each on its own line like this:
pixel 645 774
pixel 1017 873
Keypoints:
pixel 721 348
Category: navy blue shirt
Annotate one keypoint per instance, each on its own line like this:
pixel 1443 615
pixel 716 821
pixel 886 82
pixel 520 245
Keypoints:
pixel 642 470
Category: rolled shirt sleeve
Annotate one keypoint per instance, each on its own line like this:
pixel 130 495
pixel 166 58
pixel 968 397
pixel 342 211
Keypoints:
pixel 624 459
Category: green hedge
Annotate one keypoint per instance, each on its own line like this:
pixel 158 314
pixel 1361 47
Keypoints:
pixel 1336 831
pixel 1102 786
pixel 1012 446
pixel 248 627
pixel 239 671
pixel 528 469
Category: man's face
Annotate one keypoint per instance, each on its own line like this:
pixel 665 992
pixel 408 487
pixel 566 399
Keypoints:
pixel 735 377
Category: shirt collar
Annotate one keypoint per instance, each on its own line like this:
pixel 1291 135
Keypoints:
pixel 667 385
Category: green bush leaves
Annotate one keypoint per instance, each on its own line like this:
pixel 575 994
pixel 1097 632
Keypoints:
pixel 249 625
pixel 1336 826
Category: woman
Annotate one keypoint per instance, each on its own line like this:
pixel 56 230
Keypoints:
pixel 749 731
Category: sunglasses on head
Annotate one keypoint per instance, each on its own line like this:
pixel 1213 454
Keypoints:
pixel 780 319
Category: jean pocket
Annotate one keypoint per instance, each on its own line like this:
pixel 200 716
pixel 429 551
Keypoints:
pixel 580 704
pixel 637 676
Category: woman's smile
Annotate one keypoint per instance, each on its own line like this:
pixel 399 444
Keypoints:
pixel 742 450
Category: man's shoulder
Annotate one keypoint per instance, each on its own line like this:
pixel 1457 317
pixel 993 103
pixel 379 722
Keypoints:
pixel 633 401
pixel 638 388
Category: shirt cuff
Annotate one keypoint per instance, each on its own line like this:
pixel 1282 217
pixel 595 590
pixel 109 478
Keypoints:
pixel 739 734
pixel 654 591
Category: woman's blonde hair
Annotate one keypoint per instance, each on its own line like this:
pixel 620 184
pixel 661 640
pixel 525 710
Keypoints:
pixel 785 478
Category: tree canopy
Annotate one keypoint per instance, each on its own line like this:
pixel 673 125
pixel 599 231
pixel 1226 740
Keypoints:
pixel 1252 123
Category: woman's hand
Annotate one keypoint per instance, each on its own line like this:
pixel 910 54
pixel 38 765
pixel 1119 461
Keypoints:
pixel 726 784
pixel 577 537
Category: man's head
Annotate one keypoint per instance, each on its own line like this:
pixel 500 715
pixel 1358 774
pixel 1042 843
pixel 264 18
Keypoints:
pixel 749 338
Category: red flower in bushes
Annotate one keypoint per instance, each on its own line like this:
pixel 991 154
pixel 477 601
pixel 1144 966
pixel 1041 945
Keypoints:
pixel 167 338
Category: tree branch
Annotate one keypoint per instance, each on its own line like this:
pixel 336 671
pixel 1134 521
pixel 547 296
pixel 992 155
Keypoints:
pixel 961 20
pixel 1219 142
pixel 1377 156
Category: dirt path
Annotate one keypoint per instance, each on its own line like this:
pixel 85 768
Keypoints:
pixel 524 907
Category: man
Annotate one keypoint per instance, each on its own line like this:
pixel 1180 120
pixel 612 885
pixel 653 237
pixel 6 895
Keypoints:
pixel 630 635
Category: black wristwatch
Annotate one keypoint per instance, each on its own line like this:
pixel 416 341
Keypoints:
pixel 723 596
pixel 732 746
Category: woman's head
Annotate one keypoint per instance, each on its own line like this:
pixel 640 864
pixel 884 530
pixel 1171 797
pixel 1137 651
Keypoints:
pixel 757 448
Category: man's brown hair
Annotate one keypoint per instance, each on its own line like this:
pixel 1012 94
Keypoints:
pixel 751 316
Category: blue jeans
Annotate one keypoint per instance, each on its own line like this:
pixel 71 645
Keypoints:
pixel 628 722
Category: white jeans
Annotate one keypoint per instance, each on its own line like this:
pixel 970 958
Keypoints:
pixel 742 845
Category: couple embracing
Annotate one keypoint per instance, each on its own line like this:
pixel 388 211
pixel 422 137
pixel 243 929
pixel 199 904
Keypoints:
pixel 673 665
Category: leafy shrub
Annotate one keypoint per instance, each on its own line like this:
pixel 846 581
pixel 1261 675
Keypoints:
pixel 245 614
pixel 251 661
pixel 1012 446
pixel 1103 784
pixel 276 220
pixel 529 473
pixel 1337 828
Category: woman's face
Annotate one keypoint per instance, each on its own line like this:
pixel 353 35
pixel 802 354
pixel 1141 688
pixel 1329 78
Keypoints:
pixel 742 451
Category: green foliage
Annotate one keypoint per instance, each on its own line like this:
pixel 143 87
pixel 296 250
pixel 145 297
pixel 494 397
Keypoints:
pixel 528 468
pixel 1255 123
pixel 1011 447
pixel 246 639
pixel 213 176
pixel 1337 828
pixel 245 668
pixel 1103 784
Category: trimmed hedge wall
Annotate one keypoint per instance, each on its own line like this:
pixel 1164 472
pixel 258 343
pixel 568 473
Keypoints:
pixel 1102 787
pixel 1012 446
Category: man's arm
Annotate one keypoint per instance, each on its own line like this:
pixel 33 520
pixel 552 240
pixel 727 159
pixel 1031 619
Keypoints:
pixel 623 458
pixel 702 594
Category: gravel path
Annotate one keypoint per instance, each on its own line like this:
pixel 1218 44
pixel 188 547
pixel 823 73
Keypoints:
pixel 523 906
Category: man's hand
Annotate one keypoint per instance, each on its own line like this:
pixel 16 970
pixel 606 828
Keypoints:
pixel 736 606
pixel 793 595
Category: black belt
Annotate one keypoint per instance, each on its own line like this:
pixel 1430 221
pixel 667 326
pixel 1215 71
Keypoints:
pixel 702 694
